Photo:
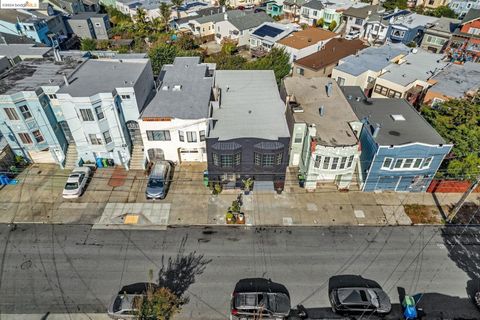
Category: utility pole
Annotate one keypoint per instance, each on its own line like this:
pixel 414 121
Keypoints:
pixel 460 202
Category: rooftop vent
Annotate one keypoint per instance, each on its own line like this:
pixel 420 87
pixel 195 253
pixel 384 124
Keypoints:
pixel 358 99
pixel 321 111
pixel 177 87
pixel 165 88
pixel 397 117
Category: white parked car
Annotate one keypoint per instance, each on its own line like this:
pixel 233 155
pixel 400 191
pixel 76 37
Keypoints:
pixel 353 34
pixel 76 182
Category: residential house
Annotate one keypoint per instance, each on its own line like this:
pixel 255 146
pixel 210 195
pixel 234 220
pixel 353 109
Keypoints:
pixel 7 157
pixel 409 28
pixel 438 34
pixel 429 4
pixel 205 26
pixel 264 37
pixel 182 23
pixel 311 12
pixel 68 6
pixel 409 77
pixel 239 3
pixel 16 52
pixel 305 42
pixel 27 115
pixel 189 9
pixel 239 28
pixel 90 25
pixel 291 9
pixel 461 7
pixel 465 42
pixel 175 121
pixel 363 68
pixel 333 11
pixel 101 103
pixel 248 135
pixel 324 145
pixel 321 63
pixel 400 150
pixel 377 24
pixel 456 81
pixel 274 8
pixel 356 18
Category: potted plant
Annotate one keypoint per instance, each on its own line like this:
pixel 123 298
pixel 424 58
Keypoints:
pixel 235 207
pixel 217 188
pixel 247 185
pixel 230 218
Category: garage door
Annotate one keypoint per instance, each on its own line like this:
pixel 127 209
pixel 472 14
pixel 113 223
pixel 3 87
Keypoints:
pixel 44 156
pixel 190 155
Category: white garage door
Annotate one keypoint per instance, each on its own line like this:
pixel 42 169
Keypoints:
pixel 190 155
pixel 44 156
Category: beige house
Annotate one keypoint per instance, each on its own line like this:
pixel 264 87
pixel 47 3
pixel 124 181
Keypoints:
pixel 205 26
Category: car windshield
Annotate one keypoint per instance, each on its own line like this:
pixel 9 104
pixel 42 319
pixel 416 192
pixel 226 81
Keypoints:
pixel 71 186
pixel 155 183
pixel 373 297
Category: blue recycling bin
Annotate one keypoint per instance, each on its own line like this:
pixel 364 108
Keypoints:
pixel 99 162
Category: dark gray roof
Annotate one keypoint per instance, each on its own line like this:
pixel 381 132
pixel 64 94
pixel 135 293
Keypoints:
pixel 24 51
pixel 362 12
pixel 250 106
pixel 471 15
pixel 414 129
pixel 314 4
pixel 102 76
pixel 7 38
pixel 249 21
pixel 200 13
pixel 192 100
pixel 447 25
pixel 87 15
pixel 455 80
pixel 11 15
pixel 219 16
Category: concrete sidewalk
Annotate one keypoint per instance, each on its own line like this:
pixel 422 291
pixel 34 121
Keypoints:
pixel 37 199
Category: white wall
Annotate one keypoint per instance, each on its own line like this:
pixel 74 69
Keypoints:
pixel 300 53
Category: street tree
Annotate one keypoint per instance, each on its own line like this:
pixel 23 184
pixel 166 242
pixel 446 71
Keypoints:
pixel 332 25
pixel 392 4
pixel 158 304
pixel 88 45
pixel 457 121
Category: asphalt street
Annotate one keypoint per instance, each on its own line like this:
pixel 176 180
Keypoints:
pixel 74 270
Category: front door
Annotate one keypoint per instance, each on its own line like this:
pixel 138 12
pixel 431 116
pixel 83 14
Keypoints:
pixel 66 131
pixel 134 131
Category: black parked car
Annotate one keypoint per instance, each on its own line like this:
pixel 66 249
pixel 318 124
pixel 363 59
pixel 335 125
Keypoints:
pixel 354 294
pixel 257 296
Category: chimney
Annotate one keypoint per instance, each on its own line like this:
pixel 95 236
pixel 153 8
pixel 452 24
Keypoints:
pixel 225 16
pixel 369 12
pixel 329 88
pixel 376 130
pixel 223 9
pixel 321 111
pixel 65 80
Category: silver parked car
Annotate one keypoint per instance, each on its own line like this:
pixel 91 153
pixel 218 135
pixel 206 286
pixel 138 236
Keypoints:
pixel 124 305
pixel 159 180
pixel 354 294
pixel 76 182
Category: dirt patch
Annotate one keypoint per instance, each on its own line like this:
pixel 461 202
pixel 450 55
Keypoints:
pixel 118 177
pixel 421 214
pixel 469 213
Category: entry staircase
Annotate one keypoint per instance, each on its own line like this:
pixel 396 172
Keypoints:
pixel 71 158
pixel 137 161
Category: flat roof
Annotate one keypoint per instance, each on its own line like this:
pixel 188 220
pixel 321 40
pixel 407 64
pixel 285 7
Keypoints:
pixel 29 75
pixel 414 20
pixel 96 76
pixel 414 129
pixel 273 31
pixel 373 58
pixel 250 106
pixel 332 127
pixel 307 37
pixel 15 50
pixel 456 79
pixel 421 65
pixel 190 100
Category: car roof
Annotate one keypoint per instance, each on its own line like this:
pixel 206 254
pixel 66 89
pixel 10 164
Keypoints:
pixel 74 177
pixel 353 295
pixel 275 302
pixel 260 285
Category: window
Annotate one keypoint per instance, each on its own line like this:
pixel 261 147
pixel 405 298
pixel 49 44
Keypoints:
pixel 86 114
pixel 381 90
pixel 191 136
pixel 181 136
pixel 298 138
pixel 107 137
pixel 267 159
pixel 226 160
pixel 25 137
pixel 237 158
pixel 158 135
pixel 125 96
pixel 258 159
pixel 318 160
pixel 427 162
pixel 387 163
pixel 334 163
pixel 326 163
pixel 343 162
pixel 95 139
pixel 38 136
pixel 417 163
pixel 99 112
pixel 300 71
pixel 375 28
pixel 25 112
pixel 11 114
pixel 350 162
pixel 315 12
pixel 52 96
pixel 279 157
pixel 407 163
pixel 475 31
pixel 358 21
pixel 398 163
pixel 340 81
pixel 202 135
pixel 398 33
pixel 216 159
pixel 394 94
pixel 370 79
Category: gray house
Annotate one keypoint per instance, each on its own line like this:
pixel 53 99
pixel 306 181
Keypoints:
pixel 248 134
pixel 89 25
pixel 438 34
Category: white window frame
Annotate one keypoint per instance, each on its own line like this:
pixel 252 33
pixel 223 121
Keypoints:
pixel 390 165
pixel 426 163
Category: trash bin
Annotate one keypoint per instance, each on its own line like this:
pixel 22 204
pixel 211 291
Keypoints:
pixel 301 180
pixel 105 162
pixel 205 178
pixel 409 308
pixel 99 162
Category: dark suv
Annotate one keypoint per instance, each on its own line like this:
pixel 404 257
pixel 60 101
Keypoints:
pixel 257 296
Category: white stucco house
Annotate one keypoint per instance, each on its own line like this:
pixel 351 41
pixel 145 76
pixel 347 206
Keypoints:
pixel 324 144
pixel 240 27
pixel 174 124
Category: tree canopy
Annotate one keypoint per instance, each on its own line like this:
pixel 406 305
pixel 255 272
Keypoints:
pixel 458 122
pixel 88 44
pixel 392 4
pixel 158 304
pixel 165 53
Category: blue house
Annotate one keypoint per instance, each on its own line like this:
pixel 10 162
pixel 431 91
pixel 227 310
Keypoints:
pixel 409 27
pixel 400 150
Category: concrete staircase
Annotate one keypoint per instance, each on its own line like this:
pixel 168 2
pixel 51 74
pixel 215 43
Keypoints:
pixel 71 158
pixel 137 161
